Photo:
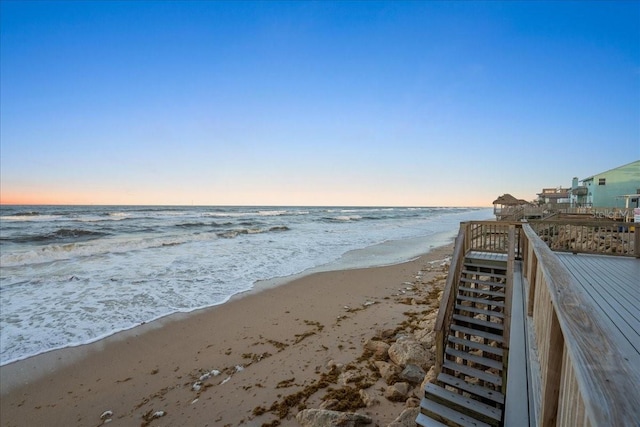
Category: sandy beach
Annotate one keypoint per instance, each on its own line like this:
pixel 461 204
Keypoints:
pixel 321 340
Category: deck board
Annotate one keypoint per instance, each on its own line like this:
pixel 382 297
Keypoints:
pixel 612 285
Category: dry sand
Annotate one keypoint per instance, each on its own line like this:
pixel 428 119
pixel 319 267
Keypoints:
pixel 273 350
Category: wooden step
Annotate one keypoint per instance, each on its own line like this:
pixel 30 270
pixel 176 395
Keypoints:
pixel 481 291
pixel 463 404
pixel 444 414
pixel 478 346
pixel 500 275
pixel 479 360
pixel 478 322
pixel 482 282
pixel 481 301
pixel 477 310
pixel 483 263
pixel 425 421
pixel 474 389
pixel 477 333
pixel 473 372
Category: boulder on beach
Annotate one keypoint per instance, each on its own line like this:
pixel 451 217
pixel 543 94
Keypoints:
pixel 407 351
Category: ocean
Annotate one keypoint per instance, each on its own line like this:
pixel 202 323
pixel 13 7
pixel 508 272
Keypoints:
pixel 70 275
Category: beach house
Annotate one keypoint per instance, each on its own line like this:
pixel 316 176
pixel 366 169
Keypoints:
pixel 555 198
pixel 615 188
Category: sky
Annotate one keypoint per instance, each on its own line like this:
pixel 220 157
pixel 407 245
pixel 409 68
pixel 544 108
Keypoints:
pixel 313 103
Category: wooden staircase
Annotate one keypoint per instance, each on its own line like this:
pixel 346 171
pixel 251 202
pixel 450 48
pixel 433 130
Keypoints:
pixel 470 389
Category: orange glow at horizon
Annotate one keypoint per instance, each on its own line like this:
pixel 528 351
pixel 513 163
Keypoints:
pixel 240 199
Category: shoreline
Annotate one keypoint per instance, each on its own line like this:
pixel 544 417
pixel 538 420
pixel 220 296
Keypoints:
pixel 303 324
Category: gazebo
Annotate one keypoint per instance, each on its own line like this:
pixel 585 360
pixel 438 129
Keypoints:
pixel 507 206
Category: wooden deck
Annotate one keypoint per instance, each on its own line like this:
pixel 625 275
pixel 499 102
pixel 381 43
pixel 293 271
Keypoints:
pixel 571 327
pixel 612 285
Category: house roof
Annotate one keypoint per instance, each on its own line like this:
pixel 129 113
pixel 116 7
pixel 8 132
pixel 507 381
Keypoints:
pixel 621 166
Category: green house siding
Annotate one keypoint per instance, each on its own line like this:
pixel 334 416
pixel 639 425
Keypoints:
pixel 604 187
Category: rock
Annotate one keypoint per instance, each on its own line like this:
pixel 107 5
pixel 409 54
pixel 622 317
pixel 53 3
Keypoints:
pixel 332 364
pixel 408 351
pixel 413 374
pixel 397 392
pixel 406 419
pixel 388 371
pixel 348 376
pixel 379 348
pixel 412 402
pixel 368 399
pixel 429 378
pixel 325 418
pixel 386 334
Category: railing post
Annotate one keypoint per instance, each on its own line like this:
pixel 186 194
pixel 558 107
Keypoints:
pixel 636 238
pixel 508 296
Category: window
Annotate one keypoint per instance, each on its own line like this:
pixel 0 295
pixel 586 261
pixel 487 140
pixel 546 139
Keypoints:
pixel 602 181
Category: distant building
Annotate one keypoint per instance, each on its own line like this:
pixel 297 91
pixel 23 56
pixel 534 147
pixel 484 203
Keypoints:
pixel 615 188
pixel 555 198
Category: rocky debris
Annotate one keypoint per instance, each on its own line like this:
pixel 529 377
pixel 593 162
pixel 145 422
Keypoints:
pixel 380 349
pixel 389 372
pixel 368 398
pixel 407 418
pixel 412 402
pixel 407 351
pixel 327 418
pixel 429 378
pixel 397 392
pixel 402 358
pixel 413 374
pixel 348 377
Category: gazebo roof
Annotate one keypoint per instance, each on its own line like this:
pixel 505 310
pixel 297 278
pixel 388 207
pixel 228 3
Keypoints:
pixel 509 200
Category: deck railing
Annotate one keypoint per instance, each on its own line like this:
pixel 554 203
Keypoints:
pixel 581 378
pixel 491 236
pixel 594 237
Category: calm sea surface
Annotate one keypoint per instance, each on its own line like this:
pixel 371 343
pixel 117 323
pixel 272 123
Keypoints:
pixel 74 274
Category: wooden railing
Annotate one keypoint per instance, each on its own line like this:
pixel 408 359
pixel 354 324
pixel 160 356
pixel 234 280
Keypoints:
pixel 582 380
pixel 595 237
pixel 491 236
pixel 447 302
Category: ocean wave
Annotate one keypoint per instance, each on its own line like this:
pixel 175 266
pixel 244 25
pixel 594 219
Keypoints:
pixel 60 251
pixel 343 218
pixel 68 235
pixel 29 213
pixel 198 224
pixel 26 216
pixel 230 234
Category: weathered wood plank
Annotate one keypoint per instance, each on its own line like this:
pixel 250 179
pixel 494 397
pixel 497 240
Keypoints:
pixel 516 412
pixel 443 413
pixel 463 404
pixel 612 297
pixel 480 391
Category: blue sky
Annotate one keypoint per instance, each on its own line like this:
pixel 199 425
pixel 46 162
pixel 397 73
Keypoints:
pixel 313 103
